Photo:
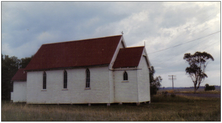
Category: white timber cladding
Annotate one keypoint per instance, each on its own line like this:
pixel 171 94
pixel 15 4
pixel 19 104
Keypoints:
pixel 106 84
pixel 76 83
pixel 143 80
pixel 111 86
pixel 19 91
pixel 125 91
pixel 120 45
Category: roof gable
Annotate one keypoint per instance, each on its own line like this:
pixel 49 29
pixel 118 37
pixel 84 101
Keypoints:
pixel 88 52
pixel 20 75
pixel 128 57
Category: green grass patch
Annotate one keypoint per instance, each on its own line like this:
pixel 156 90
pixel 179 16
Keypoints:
pixel 179 108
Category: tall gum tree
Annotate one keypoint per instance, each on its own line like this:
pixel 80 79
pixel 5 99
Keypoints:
pixel 198 63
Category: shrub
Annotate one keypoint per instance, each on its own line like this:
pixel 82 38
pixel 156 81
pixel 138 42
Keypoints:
pixel 208 87
pixel 172 95
pixel 164 93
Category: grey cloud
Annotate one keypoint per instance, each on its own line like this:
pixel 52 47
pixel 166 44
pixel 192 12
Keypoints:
pixel 27 25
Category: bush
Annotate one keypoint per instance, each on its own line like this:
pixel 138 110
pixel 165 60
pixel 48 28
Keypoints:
pixel 208 88
pixel 164 93
pixel 172 95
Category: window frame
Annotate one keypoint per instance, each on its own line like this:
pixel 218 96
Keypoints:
pixel 44 83
pixel 125 77
pixel 87 86
pixel 65 79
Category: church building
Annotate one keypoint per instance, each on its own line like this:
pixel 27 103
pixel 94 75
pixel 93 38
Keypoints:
pixel 88 71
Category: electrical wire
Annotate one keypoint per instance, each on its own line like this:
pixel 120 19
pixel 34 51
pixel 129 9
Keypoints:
pixel 185 42
pixel 206 19
pixel 186 49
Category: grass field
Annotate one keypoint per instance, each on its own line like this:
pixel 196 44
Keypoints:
pixel 179 108
pixel 191 90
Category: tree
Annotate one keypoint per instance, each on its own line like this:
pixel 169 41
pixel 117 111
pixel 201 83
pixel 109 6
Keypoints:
pixel 152 71
pixel 10 66
pixel 25 61
pixel 154 83
pixel 198 63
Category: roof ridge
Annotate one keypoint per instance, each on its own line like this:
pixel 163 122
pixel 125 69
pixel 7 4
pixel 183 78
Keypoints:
pixel 81 40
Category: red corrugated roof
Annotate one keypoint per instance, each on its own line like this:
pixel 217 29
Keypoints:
pixel 128 57
pixel 20 75
pixel 88 52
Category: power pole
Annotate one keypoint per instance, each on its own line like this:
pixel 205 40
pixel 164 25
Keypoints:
pixel 172 77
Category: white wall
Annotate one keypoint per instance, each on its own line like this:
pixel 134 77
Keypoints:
pixel 143 80
pixel 19 91
pixel 75 92
pixel 111 85
pixel 126 91
pixel 111 73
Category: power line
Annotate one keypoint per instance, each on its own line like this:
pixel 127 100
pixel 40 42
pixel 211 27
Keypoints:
pixel 206 19
pixel 186 49
pixel 185 42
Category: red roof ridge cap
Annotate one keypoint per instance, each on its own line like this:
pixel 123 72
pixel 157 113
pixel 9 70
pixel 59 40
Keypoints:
pixel 81 40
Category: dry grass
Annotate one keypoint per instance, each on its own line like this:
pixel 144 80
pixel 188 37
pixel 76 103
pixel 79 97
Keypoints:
pixel 184 91
pixel 201 92
pixel 179 108
pixel 190 90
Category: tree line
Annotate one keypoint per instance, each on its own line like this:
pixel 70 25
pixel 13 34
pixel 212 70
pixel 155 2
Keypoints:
pixel 10 66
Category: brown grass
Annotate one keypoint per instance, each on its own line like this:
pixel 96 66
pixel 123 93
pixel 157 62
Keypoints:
pixel 189 91
pixel 201 92
pixel 179 108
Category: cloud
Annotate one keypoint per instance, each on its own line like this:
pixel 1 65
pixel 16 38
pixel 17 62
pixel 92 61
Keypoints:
pixel 28 25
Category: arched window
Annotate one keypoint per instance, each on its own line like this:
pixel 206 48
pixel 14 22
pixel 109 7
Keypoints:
pixel 44 80
pixel 87 78
pixel 125 76
pixel 65 79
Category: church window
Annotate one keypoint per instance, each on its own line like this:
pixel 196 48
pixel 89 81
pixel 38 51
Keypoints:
pixel 125 76
pixel 65 79
pixel 44 80
pixel 87 78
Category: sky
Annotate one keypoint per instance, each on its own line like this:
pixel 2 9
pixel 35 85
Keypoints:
pixel 167 29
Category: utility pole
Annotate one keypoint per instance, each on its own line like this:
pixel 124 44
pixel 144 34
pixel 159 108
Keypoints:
pixel 172 77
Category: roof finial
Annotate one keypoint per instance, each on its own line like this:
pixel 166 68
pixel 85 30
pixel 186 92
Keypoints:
pixel 144 43
pixel 122 32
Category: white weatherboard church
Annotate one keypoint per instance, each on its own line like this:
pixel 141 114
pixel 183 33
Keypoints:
pixel 97 70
